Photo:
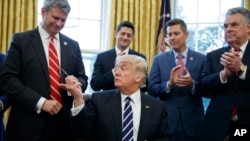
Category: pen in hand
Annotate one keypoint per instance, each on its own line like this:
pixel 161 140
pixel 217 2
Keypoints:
pixel 64 72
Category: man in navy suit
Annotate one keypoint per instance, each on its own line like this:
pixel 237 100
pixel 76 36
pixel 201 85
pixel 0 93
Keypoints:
pixel 178 91
pixel 102 117
pixel 103 76
pixel 35 115
pixel 4 103
pixel 226 79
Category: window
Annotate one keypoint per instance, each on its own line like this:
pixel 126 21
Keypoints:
pixel 204 19
pixel 86 25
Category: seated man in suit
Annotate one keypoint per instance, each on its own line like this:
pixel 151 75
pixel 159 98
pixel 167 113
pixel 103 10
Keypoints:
pixel 103 116
pixel 102 77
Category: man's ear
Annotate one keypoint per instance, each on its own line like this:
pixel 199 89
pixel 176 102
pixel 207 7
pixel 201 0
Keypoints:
pixel 138 78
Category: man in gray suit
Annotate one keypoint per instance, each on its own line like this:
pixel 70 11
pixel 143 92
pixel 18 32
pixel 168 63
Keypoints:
pixel 176 84
pixel 36 115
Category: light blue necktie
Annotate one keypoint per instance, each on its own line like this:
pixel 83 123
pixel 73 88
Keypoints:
pixel 127 128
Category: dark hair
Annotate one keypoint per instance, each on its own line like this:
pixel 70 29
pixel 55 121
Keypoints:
pixel 178 22
pixel 240 10
pixel 61 4
pixel 125 24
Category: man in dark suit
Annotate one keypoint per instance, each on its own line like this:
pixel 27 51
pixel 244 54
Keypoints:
pixel 178 91
pixel 226 79
pixel 102 117
pixel 103 76
pixel 4 103
pixel 36 115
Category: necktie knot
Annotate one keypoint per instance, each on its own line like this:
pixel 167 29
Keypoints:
pixel 128 99
pixel 122 53
pixel 180 56
pixel 51 37
pixel 237 50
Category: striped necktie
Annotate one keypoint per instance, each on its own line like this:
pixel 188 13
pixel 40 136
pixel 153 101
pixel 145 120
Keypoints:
pixel 54 75
pixel 127 128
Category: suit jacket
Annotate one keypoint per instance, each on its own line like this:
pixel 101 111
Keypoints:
pixel 102 117
pixel 25 78
pixel 182 105
pixel 224 96
pixel 5 101
pixel 102 76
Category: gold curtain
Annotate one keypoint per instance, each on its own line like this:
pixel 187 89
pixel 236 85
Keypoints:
pixel 247 4
pixel 15 16
pixel 144 14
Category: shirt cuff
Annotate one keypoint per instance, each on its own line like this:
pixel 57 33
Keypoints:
pixel 243 75
pixel 1 105
pixel 40 104
pixel 221 80
pixel 168 89
pixel 193 88
pixel 76 110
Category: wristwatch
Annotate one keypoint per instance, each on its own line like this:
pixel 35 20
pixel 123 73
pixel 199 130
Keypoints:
pixel 242 69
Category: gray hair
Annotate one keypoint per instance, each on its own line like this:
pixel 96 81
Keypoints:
pixel 140 65
pixel 240 10
pixel 61 4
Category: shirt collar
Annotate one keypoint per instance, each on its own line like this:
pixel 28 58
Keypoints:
pixel 243 47
pixel 44 34
pixel 117 50
pixel 184 53
pixel 135 97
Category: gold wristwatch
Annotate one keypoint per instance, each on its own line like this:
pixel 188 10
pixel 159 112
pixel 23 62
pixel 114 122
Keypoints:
pixel 242 69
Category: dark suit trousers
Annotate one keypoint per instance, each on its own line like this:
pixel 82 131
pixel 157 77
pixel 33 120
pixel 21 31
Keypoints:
pixel 55 129
pixel 180 134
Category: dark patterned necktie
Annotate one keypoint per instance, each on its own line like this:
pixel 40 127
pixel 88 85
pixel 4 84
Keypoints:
pixel 127 126
pixel 234 110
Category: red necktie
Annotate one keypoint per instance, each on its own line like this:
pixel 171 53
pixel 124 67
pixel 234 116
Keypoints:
pixel 54 74
pixel 181 63
pixel 234 110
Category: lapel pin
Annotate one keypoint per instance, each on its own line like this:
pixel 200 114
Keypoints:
pixel 65 43
pixel 191 58
pixel 147 107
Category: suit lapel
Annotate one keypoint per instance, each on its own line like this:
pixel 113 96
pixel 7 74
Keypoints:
pixel 112 57
pixel 38 47
pixel 190 59
pixel 65 49
pixel 145 116
pixel 116 112
pixel 170 59
pixel 245 58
